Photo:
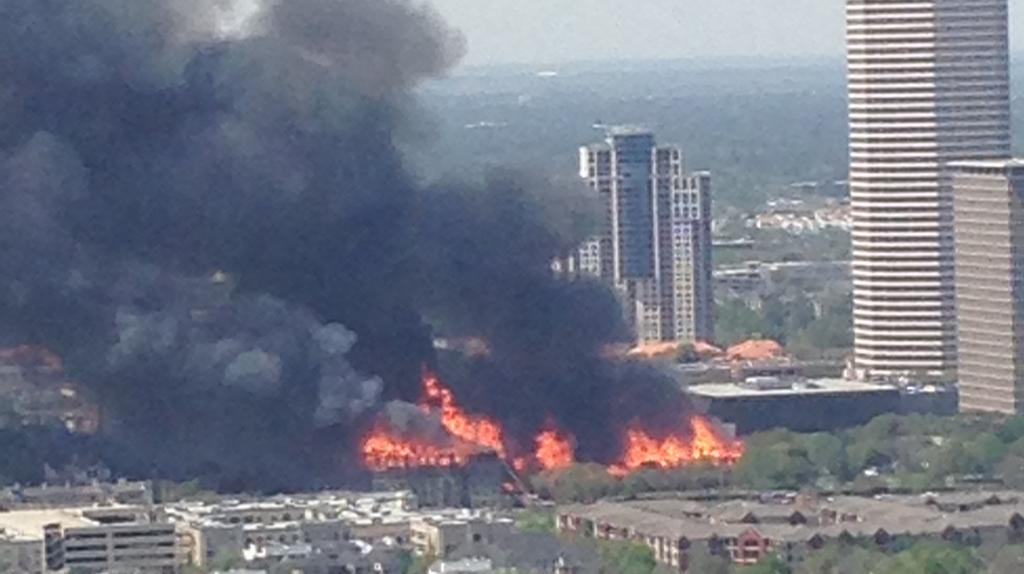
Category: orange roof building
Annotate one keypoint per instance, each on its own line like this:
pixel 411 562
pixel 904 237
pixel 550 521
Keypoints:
pixel 654 350
pixel 755 350
pixel 706 350
pixel 669 350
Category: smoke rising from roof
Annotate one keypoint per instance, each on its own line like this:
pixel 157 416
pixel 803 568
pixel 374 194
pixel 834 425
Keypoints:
pixel 143 150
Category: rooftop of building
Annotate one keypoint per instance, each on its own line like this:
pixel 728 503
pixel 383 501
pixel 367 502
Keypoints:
pixel 11 535
pixel 628 130
pixel 755 350
pixel 31 523
pixel 796 518
pixel 776 387
pixel 288 512
pixel 354 500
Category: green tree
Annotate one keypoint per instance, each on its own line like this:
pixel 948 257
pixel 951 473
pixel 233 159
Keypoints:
pixel 918 481
pixel 839 558
pixel 867 454
pixel 827 452
pixel 620 557
pixel 735 322
pixel 578 483
pixel 797 315
pixel 701 561
pixel 951 459
pixel 931 557
pixel 1012 430
pixel 536 521
pixel 775 459
pixel 1011 471
pixel 986 450
pixel 830 331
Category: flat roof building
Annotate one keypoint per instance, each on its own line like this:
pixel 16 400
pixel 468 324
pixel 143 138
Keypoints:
pixel 98 539
pixel 122 492
pixel 23 553
pixel 802 405
pixel 440 537
pixel 989 216
pixel 317 526
pixel 815 404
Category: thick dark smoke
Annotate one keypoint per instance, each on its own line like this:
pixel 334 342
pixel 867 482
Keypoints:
pixel 218 233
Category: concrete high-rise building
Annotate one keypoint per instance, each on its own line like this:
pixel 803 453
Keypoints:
pixel 655 245
pixel 989 207
pixel 928 84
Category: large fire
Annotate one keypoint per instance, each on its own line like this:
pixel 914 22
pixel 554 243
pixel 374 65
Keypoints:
pixel 703 444
pixel 385 448
pixel 554 448
pixel 473 429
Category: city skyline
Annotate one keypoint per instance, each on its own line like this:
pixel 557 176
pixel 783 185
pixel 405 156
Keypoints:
pixel 295 286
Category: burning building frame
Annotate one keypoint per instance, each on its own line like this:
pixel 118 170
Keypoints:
pixel 440 442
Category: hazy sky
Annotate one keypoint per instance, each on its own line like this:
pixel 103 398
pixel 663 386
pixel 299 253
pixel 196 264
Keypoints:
pixel 545 31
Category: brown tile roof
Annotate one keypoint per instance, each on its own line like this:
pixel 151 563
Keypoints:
pixel 754 350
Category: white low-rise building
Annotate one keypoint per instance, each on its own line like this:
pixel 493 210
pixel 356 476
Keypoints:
pixel 258 530
pixel 22 553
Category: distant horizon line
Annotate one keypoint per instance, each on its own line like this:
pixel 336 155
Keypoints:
pixel 707 63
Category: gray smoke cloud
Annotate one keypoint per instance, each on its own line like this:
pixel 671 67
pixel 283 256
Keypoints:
pixel 408 420
pixel 142 149
pixel 217 231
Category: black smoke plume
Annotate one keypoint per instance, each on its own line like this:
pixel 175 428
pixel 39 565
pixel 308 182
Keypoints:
pixel 216 230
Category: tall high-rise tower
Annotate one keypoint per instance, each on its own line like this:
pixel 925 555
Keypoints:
pixel 655 245
pixel 989 208
pixel 928 84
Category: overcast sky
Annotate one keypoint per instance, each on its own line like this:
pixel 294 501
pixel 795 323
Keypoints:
pixel 552 31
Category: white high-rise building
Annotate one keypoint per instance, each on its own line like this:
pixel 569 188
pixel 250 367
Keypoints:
pixel 928 84
pixel 989 208
pixel 655 246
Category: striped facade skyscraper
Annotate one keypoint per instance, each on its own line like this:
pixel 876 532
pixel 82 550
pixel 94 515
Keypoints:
pixel 928 85
pixel 989 208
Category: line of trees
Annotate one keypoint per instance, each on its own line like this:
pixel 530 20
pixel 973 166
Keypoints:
pixel 913 453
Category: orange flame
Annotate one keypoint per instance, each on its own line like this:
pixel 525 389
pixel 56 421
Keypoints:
pixel 385 449
pixel 704 444
pixel 554 449
pixel 473 429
